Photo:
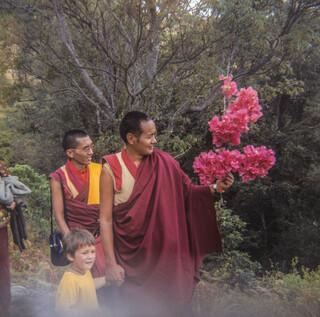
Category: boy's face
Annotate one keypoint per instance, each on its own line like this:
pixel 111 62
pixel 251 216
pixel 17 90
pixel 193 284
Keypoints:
pixel 83 259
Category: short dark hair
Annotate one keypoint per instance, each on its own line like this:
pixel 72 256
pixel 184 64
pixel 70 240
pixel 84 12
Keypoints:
pixel 76 239
pixel 131 124
pixel 69 140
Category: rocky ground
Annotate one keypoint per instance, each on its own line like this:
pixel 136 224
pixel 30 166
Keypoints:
pixel 31 301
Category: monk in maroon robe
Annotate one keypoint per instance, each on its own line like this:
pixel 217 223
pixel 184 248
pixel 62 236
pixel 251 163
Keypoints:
pixel 163 225
pixel 78 205
pixel 5 295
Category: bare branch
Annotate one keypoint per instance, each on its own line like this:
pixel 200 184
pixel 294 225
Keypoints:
pixel 67 40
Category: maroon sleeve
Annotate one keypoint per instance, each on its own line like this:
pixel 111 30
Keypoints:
pixel 202 220
pixel 54 175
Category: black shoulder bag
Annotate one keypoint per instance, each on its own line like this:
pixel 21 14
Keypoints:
pixel 57 254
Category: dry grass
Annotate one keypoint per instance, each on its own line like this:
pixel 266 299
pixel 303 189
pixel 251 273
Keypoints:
pixel 221 301
pixel 33 264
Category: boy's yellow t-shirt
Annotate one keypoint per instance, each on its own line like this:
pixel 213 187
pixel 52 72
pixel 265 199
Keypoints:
pixel 76 292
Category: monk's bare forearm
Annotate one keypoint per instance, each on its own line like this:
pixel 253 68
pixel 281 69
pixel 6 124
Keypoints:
pixel 106 206
pixel 64 229
pixel 58 206
pixel 114 272
pixel 107 240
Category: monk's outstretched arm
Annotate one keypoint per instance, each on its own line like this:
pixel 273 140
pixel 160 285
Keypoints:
pixel 57 206
pixel 114 272
pixel 215 189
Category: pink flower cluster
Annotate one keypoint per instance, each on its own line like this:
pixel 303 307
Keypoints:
pixel 242 111
pixel 247 100
pixel 228 129
pixel 254 161
pixel 215 165
pixel 229 87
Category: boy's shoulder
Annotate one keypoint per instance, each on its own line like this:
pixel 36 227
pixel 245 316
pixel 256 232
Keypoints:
pixel 69 274
pixel 72 272
pixel 71 279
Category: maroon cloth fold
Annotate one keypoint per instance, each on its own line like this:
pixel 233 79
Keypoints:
pixel 82 215
pixel 5 295
pixel 161 235
pixel 79 213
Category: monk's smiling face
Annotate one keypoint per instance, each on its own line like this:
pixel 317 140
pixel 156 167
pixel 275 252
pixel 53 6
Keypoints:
pixel 143 144
pixel 81 155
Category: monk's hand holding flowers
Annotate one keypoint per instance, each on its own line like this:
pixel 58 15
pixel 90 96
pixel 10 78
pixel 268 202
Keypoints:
pixel 222 185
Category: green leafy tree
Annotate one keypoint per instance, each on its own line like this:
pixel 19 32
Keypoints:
pixel 281 211
pixel 85 63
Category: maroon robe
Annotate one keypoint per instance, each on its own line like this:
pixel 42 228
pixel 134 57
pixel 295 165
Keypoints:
pixel 5 295
pixel 79 213
pixel 161 235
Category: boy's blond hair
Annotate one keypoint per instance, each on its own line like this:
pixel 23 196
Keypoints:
pixel 76 239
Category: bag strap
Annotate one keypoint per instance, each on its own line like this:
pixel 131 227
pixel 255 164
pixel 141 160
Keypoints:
pixel 51 207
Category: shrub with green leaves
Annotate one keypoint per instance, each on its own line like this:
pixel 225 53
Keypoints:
pixel 38 207
pixel 233 266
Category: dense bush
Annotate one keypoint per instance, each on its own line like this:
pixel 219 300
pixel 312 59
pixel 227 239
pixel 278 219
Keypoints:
pixel 234 266
pixel 38 204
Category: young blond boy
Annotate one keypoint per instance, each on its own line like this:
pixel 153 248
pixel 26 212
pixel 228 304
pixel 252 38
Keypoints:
pixel 77 288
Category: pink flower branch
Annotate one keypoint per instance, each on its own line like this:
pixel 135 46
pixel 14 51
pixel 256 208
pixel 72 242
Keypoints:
pixel 243 109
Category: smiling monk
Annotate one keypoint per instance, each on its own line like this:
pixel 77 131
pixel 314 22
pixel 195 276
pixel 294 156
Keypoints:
pixel 156 226
pixel 75 191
